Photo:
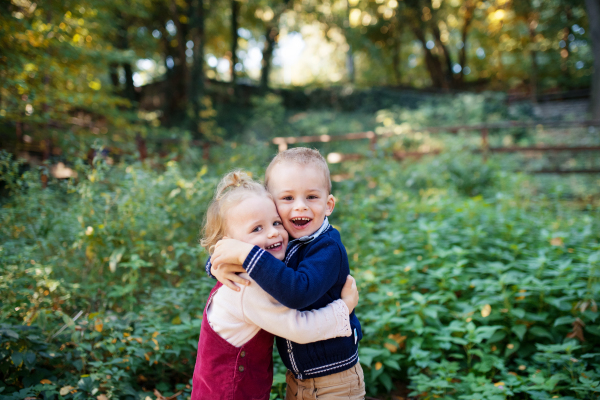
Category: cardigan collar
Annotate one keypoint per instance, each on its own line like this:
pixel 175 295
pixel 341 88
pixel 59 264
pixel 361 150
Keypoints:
pixel 310 238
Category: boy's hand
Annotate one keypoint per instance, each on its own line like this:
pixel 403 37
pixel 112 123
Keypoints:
pixel 230 251
pixel 350 293
pixel 226 274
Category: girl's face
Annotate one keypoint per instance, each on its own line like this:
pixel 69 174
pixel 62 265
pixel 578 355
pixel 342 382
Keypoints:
pixel 255 220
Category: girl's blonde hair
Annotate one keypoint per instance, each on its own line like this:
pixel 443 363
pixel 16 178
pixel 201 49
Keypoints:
pixel 233 188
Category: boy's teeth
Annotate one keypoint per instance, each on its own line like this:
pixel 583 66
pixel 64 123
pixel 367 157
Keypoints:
pixel 273 246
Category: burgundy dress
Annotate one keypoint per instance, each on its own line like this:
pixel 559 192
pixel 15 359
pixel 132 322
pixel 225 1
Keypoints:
pixel 224 371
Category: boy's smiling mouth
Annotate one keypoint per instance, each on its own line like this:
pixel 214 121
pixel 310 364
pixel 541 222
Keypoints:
pixel 300 222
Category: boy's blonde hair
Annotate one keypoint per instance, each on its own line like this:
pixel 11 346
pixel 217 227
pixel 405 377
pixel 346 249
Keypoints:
pixel 301 156
pixel 233 188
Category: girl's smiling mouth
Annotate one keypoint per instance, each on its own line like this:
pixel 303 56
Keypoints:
pixel 274 247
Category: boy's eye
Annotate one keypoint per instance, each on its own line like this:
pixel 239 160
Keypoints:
pixel 276 223
pixel 312 197
pixel 257 229
pixel 287 198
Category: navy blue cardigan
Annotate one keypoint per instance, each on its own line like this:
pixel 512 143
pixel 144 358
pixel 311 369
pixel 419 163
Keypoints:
pixel 312 276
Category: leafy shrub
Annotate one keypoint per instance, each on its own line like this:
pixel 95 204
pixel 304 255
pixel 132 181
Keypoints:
pixel 462 296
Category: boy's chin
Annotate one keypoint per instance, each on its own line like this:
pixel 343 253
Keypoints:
pixel 308 229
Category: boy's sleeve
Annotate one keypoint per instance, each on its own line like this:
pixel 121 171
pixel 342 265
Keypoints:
pixel 207 268
pixel 316 274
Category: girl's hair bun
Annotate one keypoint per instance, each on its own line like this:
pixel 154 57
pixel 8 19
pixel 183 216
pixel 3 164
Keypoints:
pixel 232 180
pixel 231 190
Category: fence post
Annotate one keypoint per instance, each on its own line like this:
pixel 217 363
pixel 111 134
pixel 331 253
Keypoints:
pixel 485 145
pixel 372 140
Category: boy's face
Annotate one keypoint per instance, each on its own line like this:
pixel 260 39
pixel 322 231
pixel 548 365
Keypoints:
pixel 255 220
pixel 301 197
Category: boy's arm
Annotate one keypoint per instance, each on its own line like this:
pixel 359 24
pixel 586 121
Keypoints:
pixel 316 274
pixel 227 275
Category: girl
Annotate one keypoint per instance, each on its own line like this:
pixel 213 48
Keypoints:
pixel 234 359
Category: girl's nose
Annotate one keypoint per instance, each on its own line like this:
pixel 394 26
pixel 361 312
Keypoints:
pixel 273 232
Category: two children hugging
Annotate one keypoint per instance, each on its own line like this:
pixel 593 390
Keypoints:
pixel 299 291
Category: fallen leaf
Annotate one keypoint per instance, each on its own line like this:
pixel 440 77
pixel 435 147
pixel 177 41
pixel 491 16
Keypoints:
pixel 65 390
pixel 577 331
pixel 378 365
pixel 486 311
pixel 46 382
pixel 392 348
pixel 98 325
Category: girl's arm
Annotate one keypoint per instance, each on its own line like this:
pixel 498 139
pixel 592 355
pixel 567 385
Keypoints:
pixel 300 326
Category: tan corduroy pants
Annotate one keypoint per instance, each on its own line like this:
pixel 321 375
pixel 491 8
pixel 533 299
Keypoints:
pixel 347 385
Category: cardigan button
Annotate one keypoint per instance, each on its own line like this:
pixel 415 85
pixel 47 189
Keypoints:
pixel 241 368
pixel 289 350
pixel 243 354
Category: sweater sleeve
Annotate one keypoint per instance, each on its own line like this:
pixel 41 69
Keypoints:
pixel 207 268
pixel 316 274
pixel 261 309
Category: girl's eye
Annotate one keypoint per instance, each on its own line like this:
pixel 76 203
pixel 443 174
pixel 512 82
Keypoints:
pixel 257 229
pixel 287 198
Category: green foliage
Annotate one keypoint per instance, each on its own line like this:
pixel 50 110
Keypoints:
pixel 470 287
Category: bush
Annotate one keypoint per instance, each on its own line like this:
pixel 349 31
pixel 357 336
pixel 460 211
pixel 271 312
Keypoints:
pixel 470 288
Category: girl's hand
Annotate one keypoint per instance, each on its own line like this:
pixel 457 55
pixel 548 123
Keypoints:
pixel 230 251
pixel 227 275
pixel 350 293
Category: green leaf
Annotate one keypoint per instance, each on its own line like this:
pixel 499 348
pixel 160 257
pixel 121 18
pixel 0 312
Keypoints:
pixel 564 320
pixel 540 332
pixel 9 333
pixel 386 380
pixel 519 330
pixel 497 336
pixel 392 364
pixel 17 358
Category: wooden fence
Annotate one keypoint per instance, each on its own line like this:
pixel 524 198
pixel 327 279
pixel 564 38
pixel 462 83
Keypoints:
pixel 483 129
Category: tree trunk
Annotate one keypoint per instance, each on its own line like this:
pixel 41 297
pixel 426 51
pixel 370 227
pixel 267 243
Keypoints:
pixel 349 55
pixel 534 66
pixel 270 38
pixel 180 62
pixel 593 9
pixel 462 55
pixel 432 62
pixel 396 34
pixel 129 88
pixel 114 75
pixel 448 60
pixel 197 73
pixel 235 8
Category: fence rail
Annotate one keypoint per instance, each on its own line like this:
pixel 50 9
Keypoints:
pixel 483 129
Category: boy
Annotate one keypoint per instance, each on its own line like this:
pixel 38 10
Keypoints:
pixel 312 275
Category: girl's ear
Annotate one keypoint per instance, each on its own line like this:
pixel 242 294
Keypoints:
pixel 330 205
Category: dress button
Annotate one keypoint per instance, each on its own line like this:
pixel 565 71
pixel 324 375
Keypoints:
pixel 243 354
pixel 241 368
pixel 289 350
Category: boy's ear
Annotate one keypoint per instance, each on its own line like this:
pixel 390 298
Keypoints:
pixel 330 205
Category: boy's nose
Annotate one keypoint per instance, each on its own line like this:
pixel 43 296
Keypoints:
pixel 300 206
